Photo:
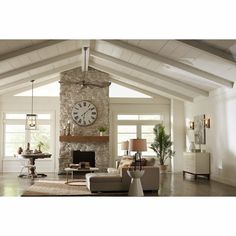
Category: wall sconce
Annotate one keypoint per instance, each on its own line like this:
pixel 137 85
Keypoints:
pixel 207 123
pixel 191 125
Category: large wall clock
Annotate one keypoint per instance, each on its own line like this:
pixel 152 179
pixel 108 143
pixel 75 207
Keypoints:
pixel 84 113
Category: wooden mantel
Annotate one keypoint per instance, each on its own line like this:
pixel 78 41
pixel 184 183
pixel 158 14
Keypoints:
pixel 83 139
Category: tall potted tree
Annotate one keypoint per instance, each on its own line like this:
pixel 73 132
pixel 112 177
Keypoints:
pixel 162 145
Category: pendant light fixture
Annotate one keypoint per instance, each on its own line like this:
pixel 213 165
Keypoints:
pixel 31 119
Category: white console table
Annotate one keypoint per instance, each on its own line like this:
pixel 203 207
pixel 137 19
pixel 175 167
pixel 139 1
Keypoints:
pixel 197 163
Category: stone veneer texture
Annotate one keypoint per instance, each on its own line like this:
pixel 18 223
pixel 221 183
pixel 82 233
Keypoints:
pixel 70 94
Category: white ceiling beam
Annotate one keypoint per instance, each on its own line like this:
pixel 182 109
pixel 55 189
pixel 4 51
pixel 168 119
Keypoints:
pixel 171 62
pixel 40 64
pixel 149 73
pixel 29 49
pixel 196 44
pixel 138 82
pixel 85 64
pixel 38 76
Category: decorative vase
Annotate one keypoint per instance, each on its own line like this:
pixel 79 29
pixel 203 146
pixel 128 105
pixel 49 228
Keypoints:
pixel 20 150
pixel 101 133
pixel 191 147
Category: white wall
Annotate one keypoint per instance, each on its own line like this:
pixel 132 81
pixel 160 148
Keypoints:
pixel 178 134
pixel 220 107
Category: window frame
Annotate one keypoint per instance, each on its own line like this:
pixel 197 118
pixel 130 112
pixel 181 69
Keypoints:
pixel 49 122
pixel 138 123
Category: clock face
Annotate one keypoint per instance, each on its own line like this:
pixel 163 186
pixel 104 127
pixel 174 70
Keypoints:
pixel 84 113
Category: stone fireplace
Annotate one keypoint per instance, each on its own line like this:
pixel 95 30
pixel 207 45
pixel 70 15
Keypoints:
pixel 71 93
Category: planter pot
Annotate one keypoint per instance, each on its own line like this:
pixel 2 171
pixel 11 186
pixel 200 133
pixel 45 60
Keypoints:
pixel 101 133
pixel 163 168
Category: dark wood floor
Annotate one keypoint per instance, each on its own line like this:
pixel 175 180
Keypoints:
pixel 170 185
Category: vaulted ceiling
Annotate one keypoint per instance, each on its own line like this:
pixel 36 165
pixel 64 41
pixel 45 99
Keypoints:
pixel 182 69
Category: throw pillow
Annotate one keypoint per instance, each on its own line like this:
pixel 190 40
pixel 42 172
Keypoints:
pixel 127 158
pixel 150 161
pixel 125 163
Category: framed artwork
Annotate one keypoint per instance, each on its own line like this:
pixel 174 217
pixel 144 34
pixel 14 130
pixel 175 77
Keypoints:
pixel 199 130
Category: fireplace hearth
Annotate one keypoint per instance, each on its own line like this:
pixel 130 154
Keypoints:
pixel 84 156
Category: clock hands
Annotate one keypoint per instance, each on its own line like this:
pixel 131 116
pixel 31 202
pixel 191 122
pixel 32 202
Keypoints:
pixel 85 112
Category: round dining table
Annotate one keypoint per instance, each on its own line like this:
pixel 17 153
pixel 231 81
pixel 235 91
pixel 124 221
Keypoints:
pixel 32 157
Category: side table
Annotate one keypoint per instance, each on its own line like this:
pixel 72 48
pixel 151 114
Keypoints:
pixel 135 188
pixel 197 163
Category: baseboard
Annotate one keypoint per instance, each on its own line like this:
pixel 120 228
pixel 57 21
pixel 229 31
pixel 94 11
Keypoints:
pixel 223 180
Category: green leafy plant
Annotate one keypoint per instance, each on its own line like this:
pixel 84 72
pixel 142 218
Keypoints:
pixel 40 144
pixel 162 144
pixel 102 129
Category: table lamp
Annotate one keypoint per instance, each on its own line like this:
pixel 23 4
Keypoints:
pixel 125 147
pixel 138 145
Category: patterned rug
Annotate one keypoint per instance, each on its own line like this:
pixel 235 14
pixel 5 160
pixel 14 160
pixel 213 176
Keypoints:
pixel 60 188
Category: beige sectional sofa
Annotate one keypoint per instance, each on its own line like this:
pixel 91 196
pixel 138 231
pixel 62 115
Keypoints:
pixel 120 180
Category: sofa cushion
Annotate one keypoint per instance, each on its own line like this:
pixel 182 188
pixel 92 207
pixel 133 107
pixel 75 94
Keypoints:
pixel 112 170
pixel 102 177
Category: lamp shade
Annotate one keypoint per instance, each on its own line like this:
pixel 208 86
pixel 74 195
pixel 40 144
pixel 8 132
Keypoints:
pixel 125 145
pixel 138 145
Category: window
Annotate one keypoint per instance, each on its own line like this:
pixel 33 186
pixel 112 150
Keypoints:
pixel 139 117
pixel 119 91
pixel 125 132
pixel 16 136
pixel 53 90
pixel 136 125
pixel 147 133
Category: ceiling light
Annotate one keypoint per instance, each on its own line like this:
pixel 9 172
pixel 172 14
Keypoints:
pixel 31 119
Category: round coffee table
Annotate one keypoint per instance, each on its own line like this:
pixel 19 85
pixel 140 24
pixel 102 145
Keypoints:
pixel 81 170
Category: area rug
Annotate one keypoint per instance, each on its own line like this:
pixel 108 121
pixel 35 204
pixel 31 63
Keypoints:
pixel 60 188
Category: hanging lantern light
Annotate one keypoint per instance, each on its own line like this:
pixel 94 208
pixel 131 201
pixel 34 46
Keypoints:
pixel 31 119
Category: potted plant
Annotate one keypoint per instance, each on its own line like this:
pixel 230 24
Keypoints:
pixel 101 130
pixel 162 145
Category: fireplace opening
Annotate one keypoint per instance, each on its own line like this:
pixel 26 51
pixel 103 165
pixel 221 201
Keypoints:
pixel 83 156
